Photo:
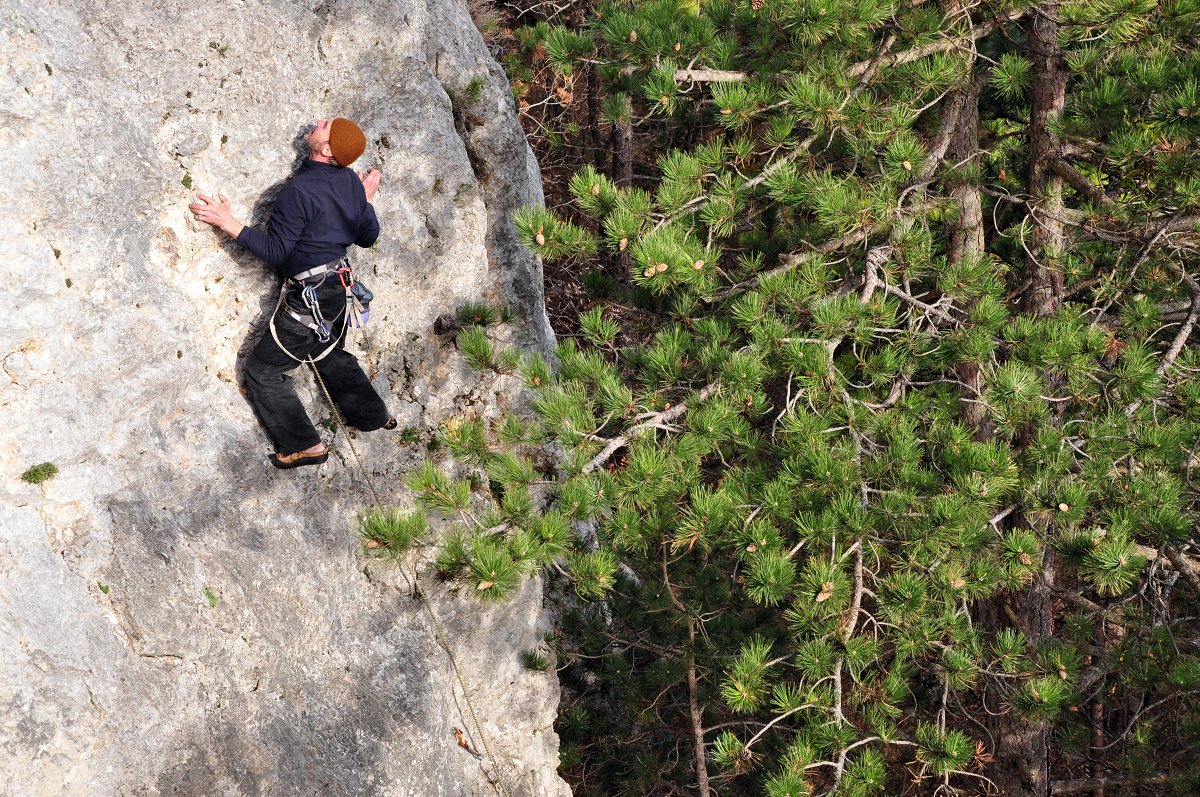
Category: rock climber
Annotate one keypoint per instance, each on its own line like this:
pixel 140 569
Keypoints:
pixel 319 212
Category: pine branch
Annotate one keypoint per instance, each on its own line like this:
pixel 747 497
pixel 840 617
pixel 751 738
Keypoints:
pixel 929 309
pixel 941 143
pixel 1091 675
pixel 1080 183
pixel 894 395
pixel 1080 601
pixel 868 74
pixel 894 59
pixel 1186 330
pixel 1003 513
pixel 868 70
pixel 1175 225
pixel 695 205
pixel 937 150
pixel 800 258
pixel 1110 614
pixel 1162 230
pixel 709 76
pixel 775 721
pixel 945 45
pixel 875 260
pixel 641 643
pixel 797 259
pixel 839 766
pixel 1174 311
pixel 653 420
pixel 856 604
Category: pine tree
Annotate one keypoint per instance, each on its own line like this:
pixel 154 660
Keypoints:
pixel 898 497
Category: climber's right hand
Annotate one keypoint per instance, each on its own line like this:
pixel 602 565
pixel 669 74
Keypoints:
pixel 218 213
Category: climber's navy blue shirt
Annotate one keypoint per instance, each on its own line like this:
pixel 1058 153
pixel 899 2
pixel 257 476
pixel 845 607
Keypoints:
pixel 317 215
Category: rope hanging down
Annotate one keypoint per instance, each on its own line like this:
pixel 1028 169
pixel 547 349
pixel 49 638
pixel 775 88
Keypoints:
pixel 499 781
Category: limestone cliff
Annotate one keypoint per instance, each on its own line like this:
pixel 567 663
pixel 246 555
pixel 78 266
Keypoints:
pixel 176 617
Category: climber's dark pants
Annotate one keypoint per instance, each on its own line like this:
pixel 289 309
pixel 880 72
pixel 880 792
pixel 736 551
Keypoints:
pixel 270 388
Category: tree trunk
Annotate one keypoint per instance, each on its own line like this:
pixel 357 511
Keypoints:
pixel 1024 768
pixel 698 748
pixel 1098 744
pixel 1022 765
pixel 1133 782
pixel 1049 92
pixel 623 176
pixel 965 235
pixel 623 153
pixel 593 117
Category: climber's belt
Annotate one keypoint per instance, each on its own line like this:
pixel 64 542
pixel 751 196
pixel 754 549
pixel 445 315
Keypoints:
pixel 321 271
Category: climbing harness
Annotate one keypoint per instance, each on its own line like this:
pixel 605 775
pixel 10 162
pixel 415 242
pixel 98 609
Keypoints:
pixel 355 313
pixel 499 780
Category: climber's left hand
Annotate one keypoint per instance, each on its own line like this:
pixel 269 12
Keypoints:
pixel 370 180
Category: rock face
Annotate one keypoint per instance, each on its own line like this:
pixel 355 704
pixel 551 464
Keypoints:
pixel 176 617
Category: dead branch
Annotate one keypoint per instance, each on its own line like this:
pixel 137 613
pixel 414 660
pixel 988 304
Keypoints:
pixel 1188 325
pixel 1090 784
pixel 1180 562
pixel 696 716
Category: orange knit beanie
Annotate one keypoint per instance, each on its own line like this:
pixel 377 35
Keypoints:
pixel 346 140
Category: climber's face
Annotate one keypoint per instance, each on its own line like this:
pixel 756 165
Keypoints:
pixel 318 140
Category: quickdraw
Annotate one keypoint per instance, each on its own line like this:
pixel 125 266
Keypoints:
pixel 319 324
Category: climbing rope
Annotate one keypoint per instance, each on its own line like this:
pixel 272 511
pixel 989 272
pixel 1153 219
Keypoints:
pixel 340 422
pixel 438 633
pixel 441 638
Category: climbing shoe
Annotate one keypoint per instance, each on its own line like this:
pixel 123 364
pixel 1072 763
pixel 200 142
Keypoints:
pixel 389 425
pixel 299 459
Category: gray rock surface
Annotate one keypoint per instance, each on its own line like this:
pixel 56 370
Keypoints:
pixel 176 617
